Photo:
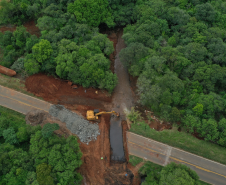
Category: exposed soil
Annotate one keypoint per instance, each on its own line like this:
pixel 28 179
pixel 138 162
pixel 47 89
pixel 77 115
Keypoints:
pixel 113 37
pixel 58 91
pixel 97 171
pixel 151 119
pixel 30 26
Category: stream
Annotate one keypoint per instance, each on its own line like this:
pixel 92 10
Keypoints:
pixel 122 100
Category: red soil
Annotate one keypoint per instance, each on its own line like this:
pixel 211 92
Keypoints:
pixel 113 37
pixel 59 91
pixel 30 26
pixel 97 171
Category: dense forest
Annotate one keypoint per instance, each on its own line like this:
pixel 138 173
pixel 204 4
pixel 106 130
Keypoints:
pixel 176 49
pixel 32 155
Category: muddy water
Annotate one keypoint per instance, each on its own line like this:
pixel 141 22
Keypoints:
pixel 122 100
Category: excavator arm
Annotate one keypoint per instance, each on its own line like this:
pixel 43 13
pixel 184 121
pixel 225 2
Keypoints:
pixel 104 112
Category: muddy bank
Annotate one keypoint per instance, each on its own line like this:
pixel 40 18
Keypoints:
pixel 123 98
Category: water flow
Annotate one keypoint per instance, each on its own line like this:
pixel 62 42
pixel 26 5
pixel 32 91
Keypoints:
pixel 122 100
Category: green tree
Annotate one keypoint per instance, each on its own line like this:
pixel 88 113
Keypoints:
pixel 31 65
pixel 175 114
pixel 31 179
pixel 208 130
pixel 205 12
pixel 179 174
pixel 48 129
pixel 42 51
pixel 10 136
pixel 92 12
pixel 222 132
pixel 171 174
pixel 132 55
pixel 22 134
pixel 43 174
pixel 198 109
pixel 191 123
pixel 62 154
pixel 177 16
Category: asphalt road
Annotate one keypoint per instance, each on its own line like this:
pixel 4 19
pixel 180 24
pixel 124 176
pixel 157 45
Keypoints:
pixel 159 153
pixel 21 102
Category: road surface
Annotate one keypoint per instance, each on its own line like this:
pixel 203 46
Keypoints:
pixel 208 171
pixel 21 102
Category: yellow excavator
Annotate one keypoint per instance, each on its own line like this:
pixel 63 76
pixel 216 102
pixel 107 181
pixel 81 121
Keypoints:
pixel 93 114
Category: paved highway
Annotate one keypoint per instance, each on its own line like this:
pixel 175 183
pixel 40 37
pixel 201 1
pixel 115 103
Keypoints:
pixel 159 153
pixel 21 102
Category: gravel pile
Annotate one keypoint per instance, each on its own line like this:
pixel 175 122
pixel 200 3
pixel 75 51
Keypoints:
pixel 75 123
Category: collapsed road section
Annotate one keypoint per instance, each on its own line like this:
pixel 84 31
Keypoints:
pixel 75 123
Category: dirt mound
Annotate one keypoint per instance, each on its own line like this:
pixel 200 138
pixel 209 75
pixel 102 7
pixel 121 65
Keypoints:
pixel 35 117
pixel 60 91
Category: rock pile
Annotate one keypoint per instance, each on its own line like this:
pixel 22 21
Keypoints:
pixel 75 123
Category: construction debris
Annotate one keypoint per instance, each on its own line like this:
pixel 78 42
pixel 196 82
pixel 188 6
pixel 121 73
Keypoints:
pixel 75 123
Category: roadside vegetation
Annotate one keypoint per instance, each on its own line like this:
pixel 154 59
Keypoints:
pixel 32 155
pixel 172 173
pixel 182 139
pixel 134 160
pixel 14 83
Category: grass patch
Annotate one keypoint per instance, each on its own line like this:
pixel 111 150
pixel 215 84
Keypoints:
pixel 13 115
pixel 134 160
pixel 183 141
pixel 14 83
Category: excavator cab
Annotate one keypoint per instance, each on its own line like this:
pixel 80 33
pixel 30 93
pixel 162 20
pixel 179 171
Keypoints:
pixel 93 114
pixel 90 115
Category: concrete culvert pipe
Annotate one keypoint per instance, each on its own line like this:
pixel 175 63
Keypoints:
pixel 7 71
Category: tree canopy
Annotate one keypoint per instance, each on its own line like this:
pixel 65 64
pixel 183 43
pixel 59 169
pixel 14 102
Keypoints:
pixel 34 156
pixel 178 55
pixel 171 174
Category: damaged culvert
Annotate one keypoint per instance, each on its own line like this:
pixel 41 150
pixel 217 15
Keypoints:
pixel 75 123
